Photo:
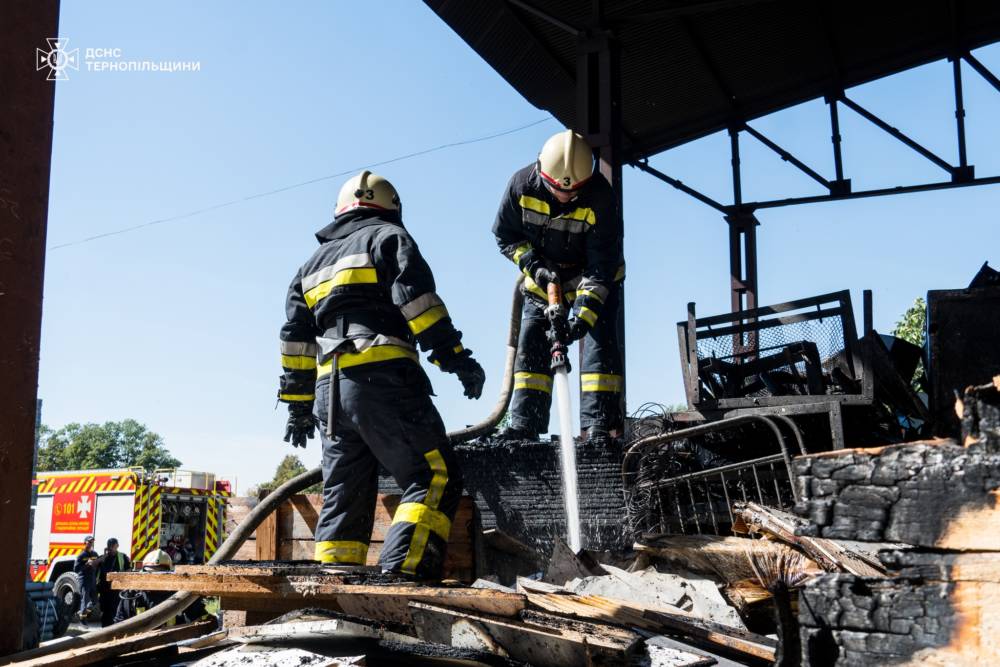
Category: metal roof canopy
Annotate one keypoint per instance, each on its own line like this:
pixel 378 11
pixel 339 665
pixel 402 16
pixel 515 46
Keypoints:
pixel 638 77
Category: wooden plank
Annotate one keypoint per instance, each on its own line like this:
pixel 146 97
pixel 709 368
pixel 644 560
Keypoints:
pixel 828 554
pixel 382 602
pixel 297 518
pixel 544 646
pixel 722 557
pixel 267 538
pixel 324 629
pixel 237 509
pixel 654 619
pixel 88 655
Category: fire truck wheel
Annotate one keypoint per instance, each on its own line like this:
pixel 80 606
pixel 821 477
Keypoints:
pixel 67 591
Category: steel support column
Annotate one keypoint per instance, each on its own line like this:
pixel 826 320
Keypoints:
pixel 743 260
pixel 599 118
pixel 26 104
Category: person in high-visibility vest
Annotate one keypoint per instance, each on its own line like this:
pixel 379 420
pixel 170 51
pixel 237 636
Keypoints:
pixel 113 560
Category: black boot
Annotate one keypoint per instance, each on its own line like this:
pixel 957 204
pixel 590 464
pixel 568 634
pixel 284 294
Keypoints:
pixel 598 436
pixel 512 434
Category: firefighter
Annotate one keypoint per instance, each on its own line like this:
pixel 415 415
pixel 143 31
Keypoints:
pixel 86 566
pixel 356 311
pixel 113 560
pixel 558 222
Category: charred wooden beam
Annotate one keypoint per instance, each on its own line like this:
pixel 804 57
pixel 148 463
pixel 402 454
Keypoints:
pixel 979 412
pixel 930 494
pixel 937 611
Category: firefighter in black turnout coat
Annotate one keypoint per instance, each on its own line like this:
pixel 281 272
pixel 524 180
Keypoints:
pixel 557 221
pixel 356 312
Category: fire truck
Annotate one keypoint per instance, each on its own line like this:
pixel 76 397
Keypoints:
pixel 180 511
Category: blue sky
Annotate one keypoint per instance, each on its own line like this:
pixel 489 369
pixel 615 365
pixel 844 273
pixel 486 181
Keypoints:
pixel 176 324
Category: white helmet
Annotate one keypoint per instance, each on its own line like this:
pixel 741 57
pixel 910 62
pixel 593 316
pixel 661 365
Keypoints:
pixel 158 559
pixel 368 190
pixel 566 161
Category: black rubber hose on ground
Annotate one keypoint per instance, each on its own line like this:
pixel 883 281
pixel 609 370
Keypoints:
pixel 178 602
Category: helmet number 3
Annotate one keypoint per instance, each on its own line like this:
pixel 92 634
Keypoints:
pixel 369 194
pixel 566 182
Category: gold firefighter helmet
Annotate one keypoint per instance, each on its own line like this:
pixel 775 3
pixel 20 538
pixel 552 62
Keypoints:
pixel 368 190
pixel 566 161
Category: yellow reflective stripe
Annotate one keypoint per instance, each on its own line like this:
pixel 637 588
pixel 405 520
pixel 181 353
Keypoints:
pixel 533 287
pixel 359 261
pixel 533 204
pixel 587 315
pixel 372 355
pixel 620 274
pixel 298 363
pixel 345 277
pixel 297 397
pixel 427 319
pixel 341 551
pixel 601 382
pixel 422 515
pixel 458 348
pixel 586 214
pixel 519 251
pixel 415 553
pixel 536 381
pixel 593 294
pixel 438 480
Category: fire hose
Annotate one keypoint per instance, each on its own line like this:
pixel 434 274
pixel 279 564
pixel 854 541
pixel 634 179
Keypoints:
pixel 178 602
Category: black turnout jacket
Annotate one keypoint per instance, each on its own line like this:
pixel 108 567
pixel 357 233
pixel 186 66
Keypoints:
pixel 581 240
pixel 365 296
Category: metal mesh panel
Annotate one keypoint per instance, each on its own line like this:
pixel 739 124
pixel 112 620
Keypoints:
pixel 689 485
pixel 827 334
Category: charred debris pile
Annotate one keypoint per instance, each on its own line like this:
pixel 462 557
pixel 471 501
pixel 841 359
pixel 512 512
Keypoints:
pixel 828 498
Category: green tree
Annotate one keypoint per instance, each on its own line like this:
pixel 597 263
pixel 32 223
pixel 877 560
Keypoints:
pixel 912 328
pixel 290 466
pixel 109 445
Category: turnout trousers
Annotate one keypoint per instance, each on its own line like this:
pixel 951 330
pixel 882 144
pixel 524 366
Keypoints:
pixel 601 379
pixel 383 414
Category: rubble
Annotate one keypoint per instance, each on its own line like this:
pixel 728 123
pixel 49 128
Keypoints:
pixel 891 556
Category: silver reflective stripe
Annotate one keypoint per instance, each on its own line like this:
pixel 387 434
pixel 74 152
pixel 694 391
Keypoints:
pixel 327 272
pixel 534 217
pixel 567 225
pixel 293 348
pixel 362 344
pixel 420 304
pixel 600 290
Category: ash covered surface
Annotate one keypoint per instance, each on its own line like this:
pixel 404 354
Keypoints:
pixel 316 614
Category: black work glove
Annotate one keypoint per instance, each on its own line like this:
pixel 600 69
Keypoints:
pixel 543 276
pixel 536 267
pixel 471 375
pixel 301 424
pixel 576 329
